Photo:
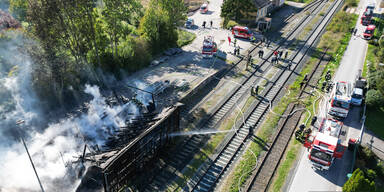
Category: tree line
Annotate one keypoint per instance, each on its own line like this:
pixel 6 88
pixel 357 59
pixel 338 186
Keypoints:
pixel 79 39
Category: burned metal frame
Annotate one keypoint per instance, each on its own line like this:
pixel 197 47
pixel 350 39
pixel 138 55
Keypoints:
pixel 129 161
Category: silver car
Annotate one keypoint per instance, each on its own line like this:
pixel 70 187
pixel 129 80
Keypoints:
pixel 189 23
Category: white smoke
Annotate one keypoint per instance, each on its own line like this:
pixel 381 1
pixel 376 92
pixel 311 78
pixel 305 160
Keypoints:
pixel 54 147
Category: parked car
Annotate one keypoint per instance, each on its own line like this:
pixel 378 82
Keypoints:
pixel 189 23
pixel 359 91
pixel 370 7
pixel 357 96
pixel 204 8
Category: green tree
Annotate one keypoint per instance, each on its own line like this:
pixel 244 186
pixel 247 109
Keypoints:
pixel 175 10
pixel 117 14
pixel 18 8
pixel 374 98
pixel 156 26
pixel 237 9
pixel 358 183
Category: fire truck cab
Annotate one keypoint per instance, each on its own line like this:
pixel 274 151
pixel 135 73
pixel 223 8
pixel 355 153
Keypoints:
pixel 368 33
pixel 366 18
pixel 340 99
pixel 209 47
pixel 325 145
pixel 242 32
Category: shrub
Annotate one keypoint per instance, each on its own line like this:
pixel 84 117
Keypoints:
pixel 358 183
pixel 231 24
pixel 371 174
pixel 374 98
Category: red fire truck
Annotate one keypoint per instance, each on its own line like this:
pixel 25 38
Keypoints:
pixel 242 32
pixel 368 33
pixel 325 145
pixel 209 47
pixel 366 18
pixel 340 99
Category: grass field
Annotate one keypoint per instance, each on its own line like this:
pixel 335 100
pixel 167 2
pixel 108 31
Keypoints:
pixel 374 121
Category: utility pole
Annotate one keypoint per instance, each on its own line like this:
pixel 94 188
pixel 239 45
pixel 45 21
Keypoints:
pixel 19 122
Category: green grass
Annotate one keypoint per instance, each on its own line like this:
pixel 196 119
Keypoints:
pixel 184 37
pixel 369 58
pixel 285 167
pixel 374 121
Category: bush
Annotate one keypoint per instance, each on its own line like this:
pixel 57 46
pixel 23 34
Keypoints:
pixel 358 183
pixel 371 174
pixel 184 37
pixel 374 98
pixel 231 24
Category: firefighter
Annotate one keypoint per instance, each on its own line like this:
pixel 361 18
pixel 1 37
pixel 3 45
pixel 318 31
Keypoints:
pixel 249 60
pixel 323 85
pixel 328 75
pixel 273 60
pixel 301 84
pixel 289 65
pixel 256 90
pixel 275 53
pixel 260 53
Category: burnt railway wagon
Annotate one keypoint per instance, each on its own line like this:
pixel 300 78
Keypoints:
pixel 120 168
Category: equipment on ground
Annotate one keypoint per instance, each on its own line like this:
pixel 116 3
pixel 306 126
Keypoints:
pixel 325 145
pixel 209 47
pixel 340 99
pixel 302 133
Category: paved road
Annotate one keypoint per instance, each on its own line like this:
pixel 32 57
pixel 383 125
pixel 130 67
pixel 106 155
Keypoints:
pixel 307 179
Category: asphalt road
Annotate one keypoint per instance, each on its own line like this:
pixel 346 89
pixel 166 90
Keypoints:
pixel 304 177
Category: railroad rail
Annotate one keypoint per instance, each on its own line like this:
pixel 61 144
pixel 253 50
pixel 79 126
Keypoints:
pixel 216 169
pixel 261 180
pixel 192 143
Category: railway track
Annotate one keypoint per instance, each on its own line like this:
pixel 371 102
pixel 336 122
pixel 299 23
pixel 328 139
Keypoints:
pixel 261 180
pixel 207 180
pixel 192 143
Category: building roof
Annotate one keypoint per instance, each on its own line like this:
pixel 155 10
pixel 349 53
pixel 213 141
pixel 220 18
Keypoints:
pixel 261 3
